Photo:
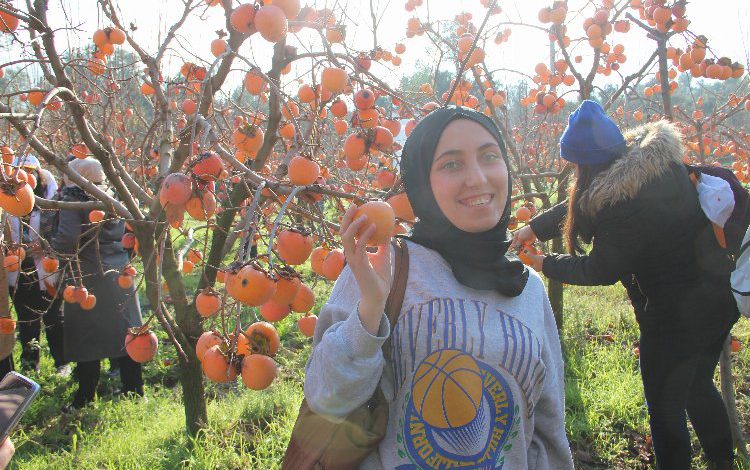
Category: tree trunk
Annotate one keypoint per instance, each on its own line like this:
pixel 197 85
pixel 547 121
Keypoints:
pixel 585 91
pixel 727 392
pixel 555 289
pixel 189 323
pixel 190 376
pixel 666 91
pixel 193 394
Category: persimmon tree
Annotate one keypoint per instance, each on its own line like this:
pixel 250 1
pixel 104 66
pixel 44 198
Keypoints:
pixel 263 170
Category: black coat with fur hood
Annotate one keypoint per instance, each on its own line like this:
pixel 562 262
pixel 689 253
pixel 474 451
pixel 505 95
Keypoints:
pixel 648 231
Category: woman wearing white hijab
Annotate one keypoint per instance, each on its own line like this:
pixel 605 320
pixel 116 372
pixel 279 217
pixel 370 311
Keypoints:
pixel 32 288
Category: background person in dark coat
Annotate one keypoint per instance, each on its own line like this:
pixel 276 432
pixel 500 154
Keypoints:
pixel 92 335
pixel 633 201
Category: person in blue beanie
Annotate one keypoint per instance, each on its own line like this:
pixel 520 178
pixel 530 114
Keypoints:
pixel 633 202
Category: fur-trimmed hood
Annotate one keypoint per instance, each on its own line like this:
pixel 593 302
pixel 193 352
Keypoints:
pixel 651 149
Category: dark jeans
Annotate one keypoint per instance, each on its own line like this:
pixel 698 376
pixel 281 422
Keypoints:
pixel 87 374
pixel 32 306
pixel 678 378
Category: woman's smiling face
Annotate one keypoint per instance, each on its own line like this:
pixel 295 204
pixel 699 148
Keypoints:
pixel 469 177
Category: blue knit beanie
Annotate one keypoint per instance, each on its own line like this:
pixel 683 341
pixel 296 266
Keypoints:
pixel 591 136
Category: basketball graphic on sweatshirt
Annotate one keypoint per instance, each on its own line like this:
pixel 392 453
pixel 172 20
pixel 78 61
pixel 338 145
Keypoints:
pixel 460 413
pixel 447 389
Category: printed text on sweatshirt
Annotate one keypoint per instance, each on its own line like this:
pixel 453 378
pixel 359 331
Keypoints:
pixel 475 379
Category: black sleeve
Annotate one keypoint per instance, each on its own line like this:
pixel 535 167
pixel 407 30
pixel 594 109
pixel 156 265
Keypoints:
pixel 66 237
pixel 548 224
pixel 615 247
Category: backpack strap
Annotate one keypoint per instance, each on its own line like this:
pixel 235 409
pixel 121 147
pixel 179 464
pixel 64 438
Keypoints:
pixel 398 289
pixel 743 248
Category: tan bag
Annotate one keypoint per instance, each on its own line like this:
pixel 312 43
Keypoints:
pixel 320 444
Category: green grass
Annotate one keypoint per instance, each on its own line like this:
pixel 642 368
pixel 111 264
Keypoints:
pixel 606 418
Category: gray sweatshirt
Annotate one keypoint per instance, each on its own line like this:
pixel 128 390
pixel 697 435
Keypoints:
pixel 475 380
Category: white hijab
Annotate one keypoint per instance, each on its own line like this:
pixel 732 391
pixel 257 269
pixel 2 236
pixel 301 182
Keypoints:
pixel 34 222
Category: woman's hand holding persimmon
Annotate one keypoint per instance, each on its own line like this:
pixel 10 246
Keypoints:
pixel 534 260
pixel 523 236
pixel 371 270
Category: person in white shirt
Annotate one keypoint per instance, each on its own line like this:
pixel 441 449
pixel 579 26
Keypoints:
pixel 32 288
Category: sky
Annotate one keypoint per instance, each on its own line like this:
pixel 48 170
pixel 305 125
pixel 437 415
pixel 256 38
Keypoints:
pixel 725 22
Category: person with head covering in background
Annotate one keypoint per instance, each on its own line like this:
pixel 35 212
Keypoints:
pixel 98 333
pixel 475 373
pixel 634 203
pixel 32 288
